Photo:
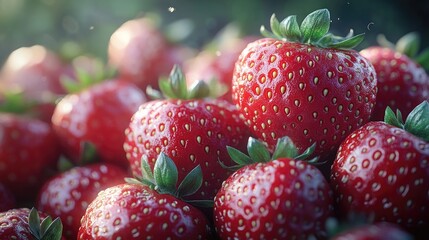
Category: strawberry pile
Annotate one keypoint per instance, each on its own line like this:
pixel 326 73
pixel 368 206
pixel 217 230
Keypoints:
pixel 293 135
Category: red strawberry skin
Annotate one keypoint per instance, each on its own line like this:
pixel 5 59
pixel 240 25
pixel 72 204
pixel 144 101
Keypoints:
pixel 133 211
pixel 281 199
pixel 141 53
pixel 28 154
pixel 311 94
pixel 377 231
pixel 98 114
pixel 402 83
pixel 191 133
pixel 383 171
pixel 36 71
pixel 14 224
pixel 68 194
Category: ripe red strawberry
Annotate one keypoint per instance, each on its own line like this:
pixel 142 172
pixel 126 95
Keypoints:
pixel 35 71
pixel 382 171
pixel 28 153
pixel 26 224
pixel 402 82
pixel 8 200
pixel 304 83
pixel 141 53
pixel 68 194
pixel 154 211
pixel 192 131
pixel 98 114
pixel 376 231
pixel 216 61
pixel 276 197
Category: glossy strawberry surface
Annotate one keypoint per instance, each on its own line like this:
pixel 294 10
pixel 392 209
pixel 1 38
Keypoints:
pixel 402 83
pixel 281 199
pixel 383 171
pixel 98 114
pixel 141 53
pixel 311 94
pixel 68 194
pixel 191 132
pixel 134 211
pixel 28 154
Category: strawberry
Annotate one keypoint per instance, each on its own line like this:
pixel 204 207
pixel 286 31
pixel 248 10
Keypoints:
pixel 382 170
pixel 154 211
pixel 68 194
pixel 273 197
pixel 305 83
pixel 98 114
pixel 141 52
pixel 376 231
pixel 26 224
pixel 28 153
pixel 192 131
pixel 8 200
pixel 402 82
pixel 216 61
pixel 35 71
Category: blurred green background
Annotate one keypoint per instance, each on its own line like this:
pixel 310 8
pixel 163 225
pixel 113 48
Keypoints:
pixel 88 24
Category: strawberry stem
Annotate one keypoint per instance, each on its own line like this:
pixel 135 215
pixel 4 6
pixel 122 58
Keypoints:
pixel 416 123
pixel 314 30
pixel 259 153
pixel 164 179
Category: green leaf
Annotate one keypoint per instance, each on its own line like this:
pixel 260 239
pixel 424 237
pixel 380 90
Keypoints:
pixel 34 223
pixel 384 42
pixel 191 183
pixel 258 152
pixel 285 148
pixel 44 226
pixel 349 42
pixel 166 89
pixel 315 25
pixel 165 174
pixel 238 157
pixel 154 94
pixel 275 25
pixel 307 153
pixel 146 169
pixel 198 90
pixel 290 29
pixel 178 83
pixel 409 44
pixel 89 153
pixel 54 230
pixel 417 121
pixel 392 119
pixel 264 32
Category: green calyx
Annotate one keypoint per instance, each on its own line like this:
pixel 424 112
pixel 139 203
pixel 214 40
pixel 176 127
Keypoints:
pixel 47 229
pixel 15 102
pixel 175 87
pixel 409 44
pixel 314 30
pixel 259 153
pixel 87 76
pixel 164 180
pixel 88 155
pixel 416 123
